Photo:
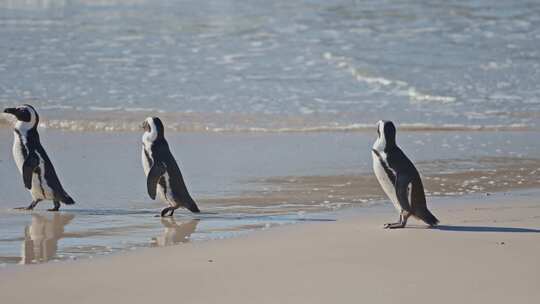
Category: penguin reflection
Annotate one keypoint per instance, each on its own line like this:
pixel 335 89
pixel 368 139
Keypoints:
pixel 175 233
pixel 41 237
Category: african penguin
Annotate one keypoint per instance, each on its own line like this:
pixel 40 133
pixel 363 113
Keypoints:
pixel 162 173
pixel 32 161
pixel 399 178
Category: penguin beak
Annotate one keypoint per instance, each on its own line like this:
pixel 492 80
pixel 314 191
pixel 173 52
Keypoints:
pixel 11 111
pixel 145 126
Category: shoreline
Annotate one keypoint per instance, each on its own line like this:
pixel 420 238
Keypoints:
pixel 116 121
pixel 251 182
pixel 344 261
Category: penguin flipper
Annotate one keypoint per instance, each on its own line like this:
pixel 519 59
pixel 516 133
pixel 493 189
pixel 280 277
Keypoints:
pixel 152 179
pixel 402 191
pixel 30 164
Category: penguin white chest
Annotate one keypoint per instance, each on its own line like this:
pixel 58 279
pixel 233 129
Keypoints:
pixel 164 193
pixel 18 151
pixel 385 182
pixel 40 189
pixel 145 160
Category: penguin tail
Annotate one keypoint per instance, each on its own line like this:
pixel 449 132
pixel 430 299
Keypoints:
pixel 425 215
pixel 68 200
pixel 419 206
pixel 192 206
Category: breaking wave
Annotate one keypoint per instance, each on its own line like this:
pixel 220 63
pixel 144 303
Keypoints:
pixel 132 125
pixel 398 87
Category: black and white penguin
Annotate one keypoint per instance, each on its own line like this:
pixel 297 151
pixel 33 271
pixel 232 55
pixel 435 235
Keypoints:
pixel 399 178
pixel 32 161
pixel 163 175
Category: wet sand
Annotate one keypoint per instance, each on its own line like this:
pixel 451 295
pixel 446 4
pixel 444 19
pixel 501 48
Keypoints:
pixel 486 251
pixel 314 193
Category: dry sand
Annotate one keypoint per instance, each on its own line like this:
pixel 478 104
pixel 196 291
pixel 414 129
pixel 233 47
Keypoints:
pixel 488 252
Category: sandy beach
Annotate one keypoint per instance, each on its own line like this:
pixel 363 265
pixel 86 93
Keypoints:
pixel 486 251
pixel 242 181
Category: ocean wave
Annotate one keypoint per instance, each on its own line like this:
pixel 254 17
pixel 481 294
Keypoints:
pixel 398 87
pixel 116 125
pixel 418 97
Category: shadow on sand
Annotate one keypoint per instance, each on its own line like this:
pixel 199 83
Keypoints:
pixel 486 229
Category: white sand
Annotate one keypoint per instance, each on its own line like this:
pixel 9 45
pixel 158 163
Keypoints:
pixel 486 256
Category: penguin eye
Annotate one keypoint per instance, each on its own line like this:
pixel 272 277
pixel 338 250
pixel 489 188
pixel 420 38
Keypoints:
pixel 24 114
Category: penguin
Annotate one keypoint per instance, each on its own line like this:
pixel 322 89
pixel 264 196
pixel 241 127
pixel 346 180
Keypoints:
pixel 38 172
pixel 163 176
pixel 399 178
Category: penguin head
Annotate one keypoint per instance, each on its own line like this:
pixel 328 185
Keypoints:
pixel 387 135
pixel 27 117
pixel 153 129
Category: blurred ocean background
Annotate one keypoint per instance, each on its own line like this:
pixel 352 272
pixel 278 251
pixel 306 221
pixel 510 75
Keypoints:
pixel 256 65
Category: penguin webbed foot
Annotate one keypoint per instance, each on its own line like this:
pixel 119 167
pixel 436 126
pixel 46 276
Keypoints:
pixel 394 225
pixel 30 207
pixel 169 210
pixel 403 217
pixel 24 208
pixel 56 206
